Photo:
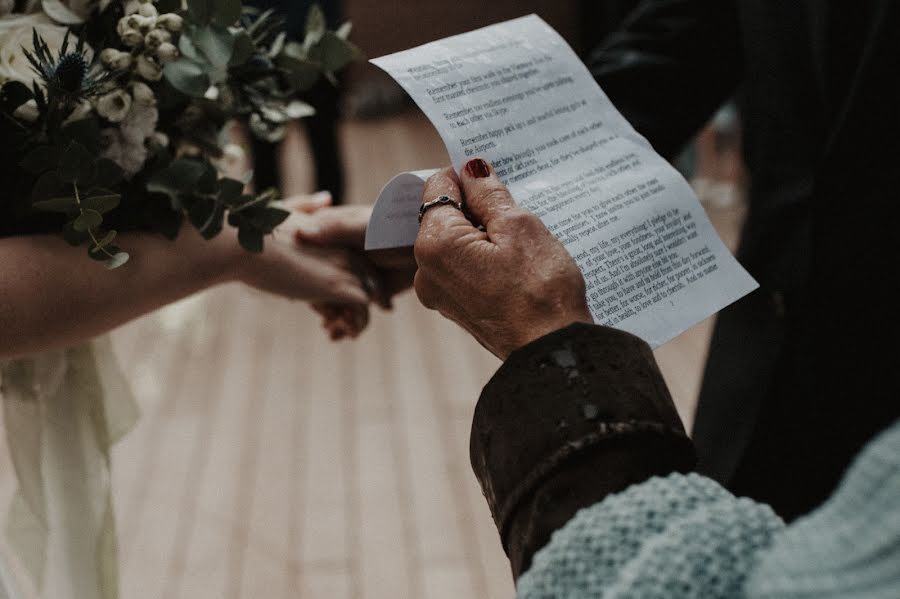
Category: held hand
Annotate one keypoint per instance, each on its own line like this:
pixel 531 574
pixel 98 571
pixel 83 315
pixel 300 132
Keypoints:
pixel 345 226
pixel 507 285
pixel 333 275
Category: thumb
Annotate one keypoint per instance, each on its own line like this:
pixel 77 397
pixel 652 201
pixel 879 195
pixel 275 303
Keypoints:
pixel 486 196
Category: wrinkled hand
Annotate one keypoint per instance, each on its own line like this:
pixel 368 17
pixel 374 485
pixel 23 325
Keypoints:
pixel 508 284
pixel 345 226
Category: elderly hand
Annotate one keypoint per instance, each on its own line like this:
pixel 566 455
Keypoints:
pixel 508 284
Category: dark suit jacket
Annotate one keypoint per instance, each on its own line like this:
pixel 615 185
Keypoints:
pixel 802 372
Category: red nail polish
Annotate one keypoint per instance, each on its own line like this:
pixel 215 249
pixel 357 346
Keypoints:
pixel 478 168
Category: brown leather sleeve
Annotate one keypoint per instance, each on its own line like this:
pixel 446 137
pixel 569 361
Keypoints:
pixel 568 419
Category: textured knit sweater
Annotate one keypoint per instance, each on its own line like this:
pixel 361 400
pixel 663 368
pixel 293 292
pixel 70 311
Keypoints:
pixel 582 460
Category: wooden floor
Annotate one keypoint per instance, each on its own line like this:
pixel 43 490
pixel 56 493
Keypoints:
pixel 270 462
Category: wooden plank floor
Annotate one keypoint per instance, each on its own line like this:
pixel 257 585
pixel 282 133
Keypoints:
pixel 272 463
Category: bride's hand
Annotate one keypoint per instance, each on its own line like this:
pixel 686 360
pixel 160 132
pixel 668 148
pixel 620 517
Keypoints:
pixel 330 275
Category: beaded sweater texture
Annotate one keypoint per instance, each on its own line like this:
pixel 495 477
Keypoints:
pixel 684 536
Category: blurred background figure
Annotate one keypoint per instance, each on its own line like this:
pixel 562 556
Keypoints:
pixel 324 97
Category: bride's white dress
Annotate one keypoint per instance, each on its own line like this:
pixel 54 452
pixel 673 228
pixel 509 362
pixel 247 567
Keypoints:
pixel 63 411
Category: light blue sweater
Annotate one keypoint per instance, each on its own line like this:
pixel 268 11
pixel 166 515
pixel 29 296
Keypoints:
pixel 684 536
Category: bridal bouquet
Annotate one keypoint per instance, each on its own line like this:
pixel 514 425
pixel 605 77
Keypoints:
pixel 112 114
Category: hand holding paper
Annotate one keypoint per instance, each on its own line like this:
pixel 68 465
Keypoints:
pixel 517 95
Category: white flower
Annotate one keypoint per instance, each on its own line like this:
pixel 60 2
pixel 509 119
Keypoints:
pixel 148 68
pixel 157 38
pixel 114 106
pixel 27 112
pixel 140 123
pixel 148 10
pixel 127 145
pixel 116 59
pixel 81 111
pixel 15 37
pixel 170 21
pixel 212 94
pixel 142 94
pixel 167 52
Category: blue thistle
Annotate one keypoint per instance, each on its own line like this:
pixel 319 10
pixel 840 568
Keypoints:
pixel 69 77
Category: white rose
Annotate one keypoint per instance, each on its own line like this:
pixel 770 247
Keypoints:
pixel 148 68
pixel 15 36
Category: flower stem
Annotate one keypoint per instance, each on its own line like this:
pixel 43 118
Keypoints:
pixel 90 230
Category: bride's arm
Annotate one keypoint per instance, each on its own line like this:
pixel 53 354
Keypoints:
pixel 52 295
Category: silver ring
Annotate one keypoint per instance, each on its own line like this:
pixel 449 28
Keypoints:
pixel 440 201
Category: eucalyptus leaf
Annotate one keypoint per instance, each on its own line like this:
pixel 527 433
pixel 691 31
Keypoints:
pixel 272 217
pixel 302 74
pixel 48 185
pixel 344 30
pixel 277 45
pixel 87 220
pixel 181 176
pixel 243 49
pixel 333 52
pixel 40 159
pixel 201 11
pixel 315 25
pixel 73 237
pixel 251 239
pixel 230 191
pixel 119 259
pixel 188 77
pixel 59 205
pixel 216 43
pixel 60 13
pixel 101 200
pixel 299 110
pixel 76 163
pixel 104 242
pixel 187 49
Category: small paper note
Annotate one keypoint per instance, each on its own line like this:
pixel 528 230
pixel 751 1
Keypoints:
pixel 516 94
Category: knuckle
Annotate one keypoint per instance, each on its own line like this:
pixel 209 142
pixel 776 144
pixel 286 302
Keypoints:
pixel 424 290
pixel 520 219
pixel 495 196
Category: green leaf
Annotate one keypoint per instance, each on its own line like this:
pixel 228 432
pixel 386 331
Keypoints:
pixel 178 179
pixel 76 163
pixel 251 239
pixel 215 43
pixel 49 185
pixel 201 11
pixel 119 259
pixel 243 49
pixel 101 200
pixel 315 25
pixel 12 95
pixel 230 191
pixel 40 159
pixel 333 52
pixel 188 77
pixel 87 220
pixel 73 237
pixel 59 205
pixel 208 217
pixel 227 12
pixel 344 30
pixel 301 73
pixel 272 217
pixel 105 241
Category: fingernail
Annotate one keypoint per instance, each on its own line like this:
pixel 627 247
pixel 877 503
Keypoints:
pixel 308 230
pixel 478 168
pixel 322 197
